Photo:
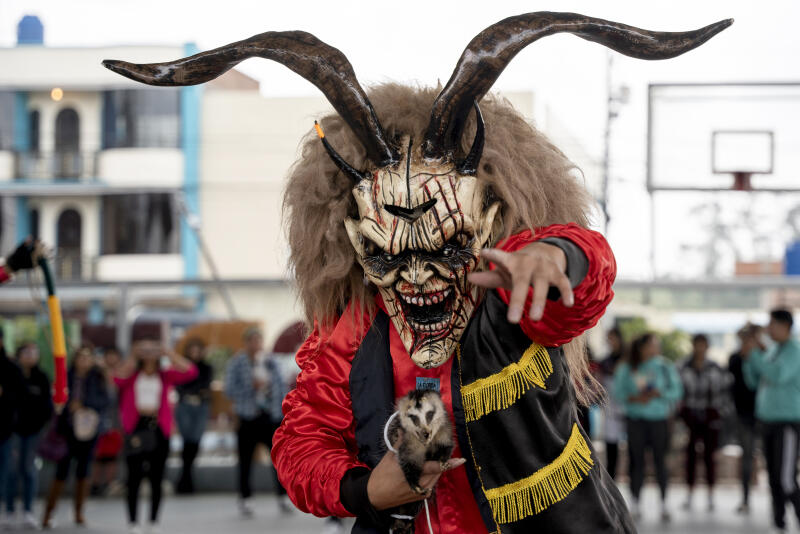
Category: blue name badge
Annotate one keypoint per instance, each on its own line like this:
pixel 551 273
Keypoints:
pixel 426 383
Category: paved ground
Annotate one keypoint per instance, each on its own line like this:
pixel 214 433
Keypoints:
pixel 217 514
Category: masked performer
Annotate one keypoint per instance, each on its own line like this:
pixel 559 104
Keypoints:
pixel 391 218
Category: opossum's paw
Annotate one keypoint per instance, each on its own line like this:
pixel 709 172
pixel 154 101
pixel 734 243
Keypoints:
pixel 420 490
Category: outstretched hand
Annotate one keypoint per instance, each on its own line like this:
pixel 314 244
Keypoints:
pixel 387 486
pixel 540 265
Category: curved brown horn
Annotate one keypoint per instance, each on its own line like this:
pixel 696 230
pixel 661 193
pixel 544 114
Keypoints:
pixel 321 64
pixel 491 51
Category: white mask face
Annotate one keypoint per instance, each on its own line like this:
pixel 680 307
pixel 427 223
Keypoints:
pixel 420 232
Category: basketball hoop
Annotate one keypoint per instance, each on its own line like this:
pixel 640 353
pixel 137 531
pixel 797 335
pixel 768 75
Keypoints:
pixel 742 153
pixel 741 181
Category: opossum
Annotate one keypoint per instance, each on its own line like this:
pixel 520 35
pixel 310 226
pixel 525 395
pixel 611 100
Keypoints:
pixel 420 432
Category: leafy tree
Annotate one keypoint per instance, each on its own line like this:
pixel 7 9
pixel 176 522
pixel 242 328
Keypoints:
pixel 675 344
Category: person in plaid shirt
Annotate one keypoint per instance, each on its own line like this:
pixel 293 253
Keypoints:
pixel 254 384
pixel 705 386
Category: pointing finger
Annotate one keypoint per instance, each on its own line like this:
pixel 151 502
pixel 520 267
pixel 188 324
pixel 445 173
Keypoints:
pixel 489 279
pixel 499 257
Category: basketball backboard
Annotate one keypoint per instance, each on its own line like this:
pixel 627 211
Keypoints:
pixel 712 137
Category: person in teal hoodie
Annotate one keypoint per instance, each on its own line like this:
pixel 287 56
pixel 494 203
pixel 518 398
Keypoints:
pixel 775 374
pixel 647 386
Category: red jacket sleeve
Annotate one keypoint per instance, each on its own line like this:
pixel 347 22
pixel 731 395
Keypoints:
pixel 560 324
pixel 315 444
pixel 5 274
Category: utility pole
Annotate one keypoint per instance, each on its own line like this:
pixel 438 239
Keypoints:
pixel 194 223
pixel 614 99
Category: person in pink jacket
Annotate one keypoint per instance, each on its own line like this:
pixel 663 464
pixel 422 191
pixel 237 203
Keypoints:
pixel 144 385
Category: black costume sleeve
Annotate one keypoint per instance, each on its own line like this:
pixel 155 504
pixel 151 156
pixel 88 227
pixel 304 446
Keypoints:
pixel 577 263
pixel 353 493
pixel 21 258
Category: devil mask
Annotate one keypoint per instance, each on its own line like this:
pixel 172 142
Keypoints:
pixel 423 212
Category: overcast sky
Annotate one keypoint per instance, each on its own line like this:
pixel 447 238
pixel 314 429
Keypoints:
pixel 419 42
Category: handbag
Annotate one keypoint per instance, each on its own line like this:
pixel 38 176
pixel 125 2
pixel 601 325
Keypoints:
pixel 109 444
pixel 143 440
pixel 85 423
pixel 53 447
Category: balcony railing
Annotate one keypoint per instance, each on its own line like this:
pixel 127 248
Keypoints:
pixel 70 265
pixel 60 165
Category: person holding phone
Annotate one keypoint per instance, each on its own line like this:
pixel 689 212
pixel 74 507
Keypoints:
pixel 648 386
pixel 255 385
pixel 774 372
pixel 744 400
pixel 144 388
pixel 191 413
pixel 79 423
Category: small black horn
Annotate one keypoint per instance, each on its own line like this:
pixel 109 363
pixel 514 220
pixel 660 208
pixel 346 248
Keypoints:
pixel 491 50
pixel 345 167
pixel 469 165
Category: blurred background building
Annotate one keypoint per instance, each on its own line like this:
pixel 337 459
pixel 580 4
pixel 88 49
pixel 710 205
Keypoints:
pixel 138 188
pixel 163 205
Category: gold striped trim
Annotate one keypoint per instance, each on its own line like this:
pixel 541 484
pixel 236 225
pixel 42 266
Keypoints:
pixel 469 439
pixel 504 388
pixel 545 487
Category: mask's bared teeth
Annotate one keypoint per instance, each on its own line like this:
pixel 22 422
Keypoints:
pixel 435 299
pixel 428 302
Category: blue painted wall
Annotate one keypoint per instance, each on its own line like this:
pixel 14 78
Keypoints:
pixel 190 144
pixel 21 140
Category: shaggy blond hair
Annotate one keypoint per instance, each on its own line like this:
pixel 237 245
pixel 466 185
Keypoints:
pixel 531 177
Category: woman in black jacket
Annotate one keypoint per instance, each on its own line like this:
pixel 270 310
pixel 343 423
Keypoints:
pixel 191 414
pixel 34 409
pixel 79 424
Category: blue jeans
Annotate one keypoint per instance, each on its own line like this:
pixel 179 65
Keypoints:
pixel 23 454
pixel 191 419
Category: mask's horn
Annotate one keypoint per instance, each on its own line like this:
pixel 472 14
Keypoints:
pixel 491 51
pixel 321 64
pixel 469 165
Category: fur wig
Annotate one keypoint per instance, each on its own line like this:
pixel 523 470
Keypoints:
pixel 534 181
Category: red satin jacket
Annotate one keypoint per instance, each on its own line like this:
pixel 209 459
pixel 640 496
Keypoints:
pixel 315 445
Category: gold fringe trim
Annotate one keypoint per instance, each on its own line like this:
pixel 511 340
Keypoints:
pixel 504 388
pixel 469 439
pixel 545 487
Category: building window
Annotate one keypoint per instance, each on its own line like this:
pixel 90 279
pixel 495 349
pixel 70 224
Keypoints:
pixel 33 131
pixel 68 245
pixel 68 130
pixel 140 224
pixel 68 162
pixel 141 118
pixel 6 120
pixel 34 223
